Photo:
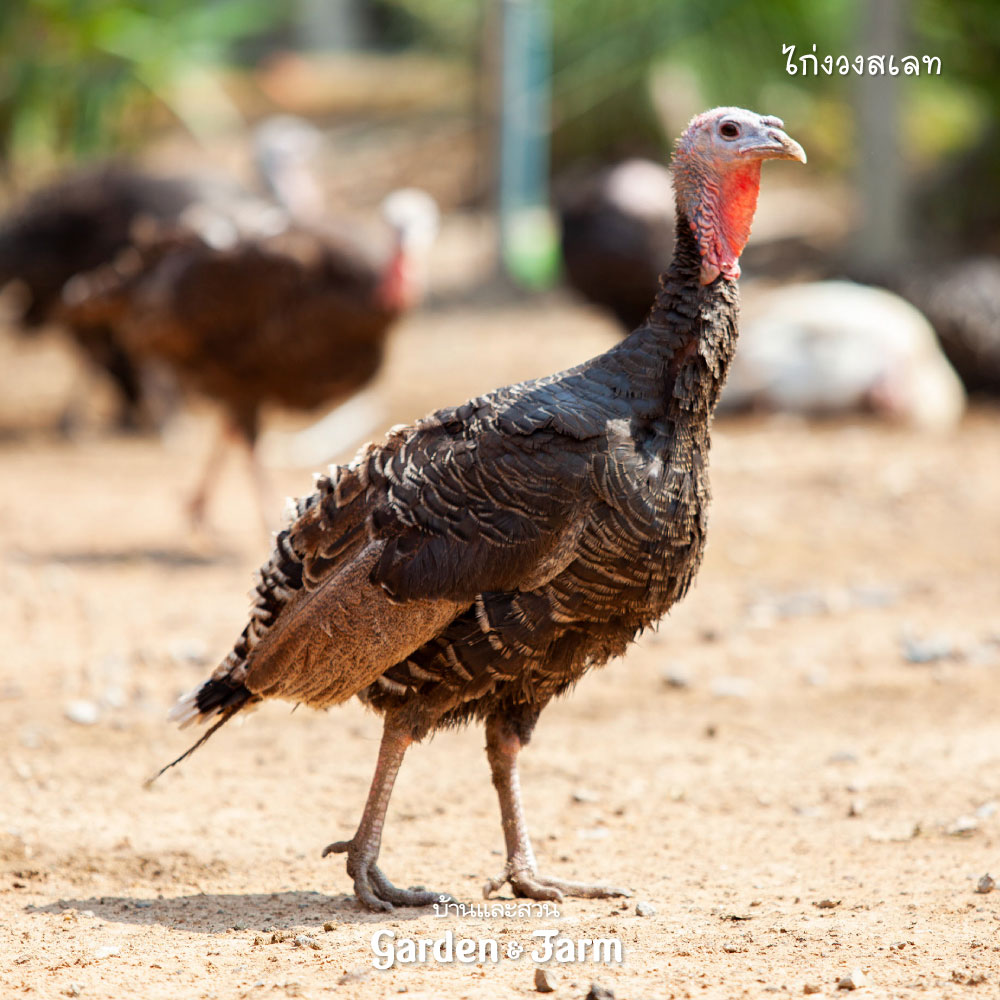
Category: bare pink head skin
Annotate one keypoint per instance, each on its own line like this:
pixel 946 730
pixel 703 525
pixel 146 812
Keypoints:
pixel 717 178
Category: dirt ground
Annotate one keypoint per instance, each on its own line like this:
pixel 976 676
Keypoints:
pixel 799 773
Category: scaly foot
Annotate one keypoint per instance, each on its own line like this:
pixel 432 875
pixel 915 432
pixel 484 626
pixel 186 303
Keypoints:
pixel 373 889
pixel 527 883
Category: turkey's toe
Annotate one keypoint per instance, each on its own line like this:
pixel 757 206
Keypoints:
pixel 367 897
pixel 584 890
pixel 373 889
pixel 528 884
pixel 414 896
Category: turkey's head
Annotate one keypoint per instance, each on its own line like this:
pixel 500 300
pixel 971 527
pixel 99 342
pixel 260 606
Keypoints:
pixel 717 178
pixel 285 151
pixel 414 219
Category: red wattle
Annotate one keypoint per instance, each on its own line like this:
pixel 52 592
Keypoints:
pixel 719 202
pixel 395 289
pixel 727 224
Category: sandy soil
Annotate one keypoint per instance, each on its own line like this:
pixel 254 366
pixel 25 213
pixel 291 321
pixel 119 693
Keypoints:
pixel 792 795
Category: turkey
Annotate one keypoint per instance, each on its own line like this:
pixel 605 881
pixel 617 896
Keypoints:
pixel 830 347
pixel 296 318
pixel 617 230
pixel 476 564
pixel 85 219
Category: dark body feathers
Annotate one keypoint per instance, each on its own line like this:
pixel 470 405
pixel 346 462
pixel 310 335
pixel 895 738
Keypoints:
pixel 484 558
pixel 613 253
pixel 962 302
pixel 292 319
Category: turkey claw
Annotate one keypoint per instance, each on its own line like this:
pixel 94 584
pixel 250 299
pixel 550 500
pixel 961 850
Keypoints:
pixel 374 891
pixel 528 884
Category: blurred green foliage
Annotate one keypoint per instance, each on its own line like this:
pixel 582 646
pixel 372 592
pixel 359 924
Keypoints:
pixel 72 70
pixel 80 77
pixel 605 55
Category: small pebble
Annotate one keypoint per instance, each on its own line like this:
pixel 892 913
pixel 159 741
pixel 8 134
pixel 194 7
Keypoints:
pixel 73 990
pixel 30 738
pixel 114 696
pixel 355 975
pixel 585 795
pixel 545 982
pixel 811 988
pixel 599 992
pixel 938 647
pixel 873 596
pixel 802 603
pixel 304 941
pixel 732 687
pixel 107 951
pixel 970 979
pixel 827 904
pixel 856 808
pixel 644 909
pixel 854 981
pixel 676 676
pixel 82 712
pixel 986 884
pixel 963 826
pixel 897 835
pixel 329 925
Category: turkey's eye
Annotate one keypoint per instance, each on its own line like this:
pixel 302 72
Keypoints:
pixel 729 130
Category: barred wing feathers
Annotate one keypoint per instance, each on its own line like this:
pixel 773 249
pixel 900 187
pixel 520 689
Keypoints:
pixel 392 548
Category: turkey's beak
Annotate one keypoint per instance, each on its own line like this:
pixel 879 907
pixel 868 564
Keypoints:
pixel 775 145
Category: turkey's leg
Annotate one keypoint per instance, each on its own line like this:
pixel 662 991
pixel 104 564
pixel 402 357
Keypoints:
pixel 198 503
pixel 372 888
pixel 267 502
pixel 521 871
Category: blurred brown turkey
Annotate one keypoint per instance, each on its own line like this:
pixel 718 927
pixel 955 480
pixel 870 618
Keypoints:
pixel 83 220
pixel 296 318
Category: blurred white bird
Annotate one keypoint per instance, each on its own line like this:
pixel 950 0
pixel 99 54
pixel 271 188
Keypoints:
pixel 834 346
